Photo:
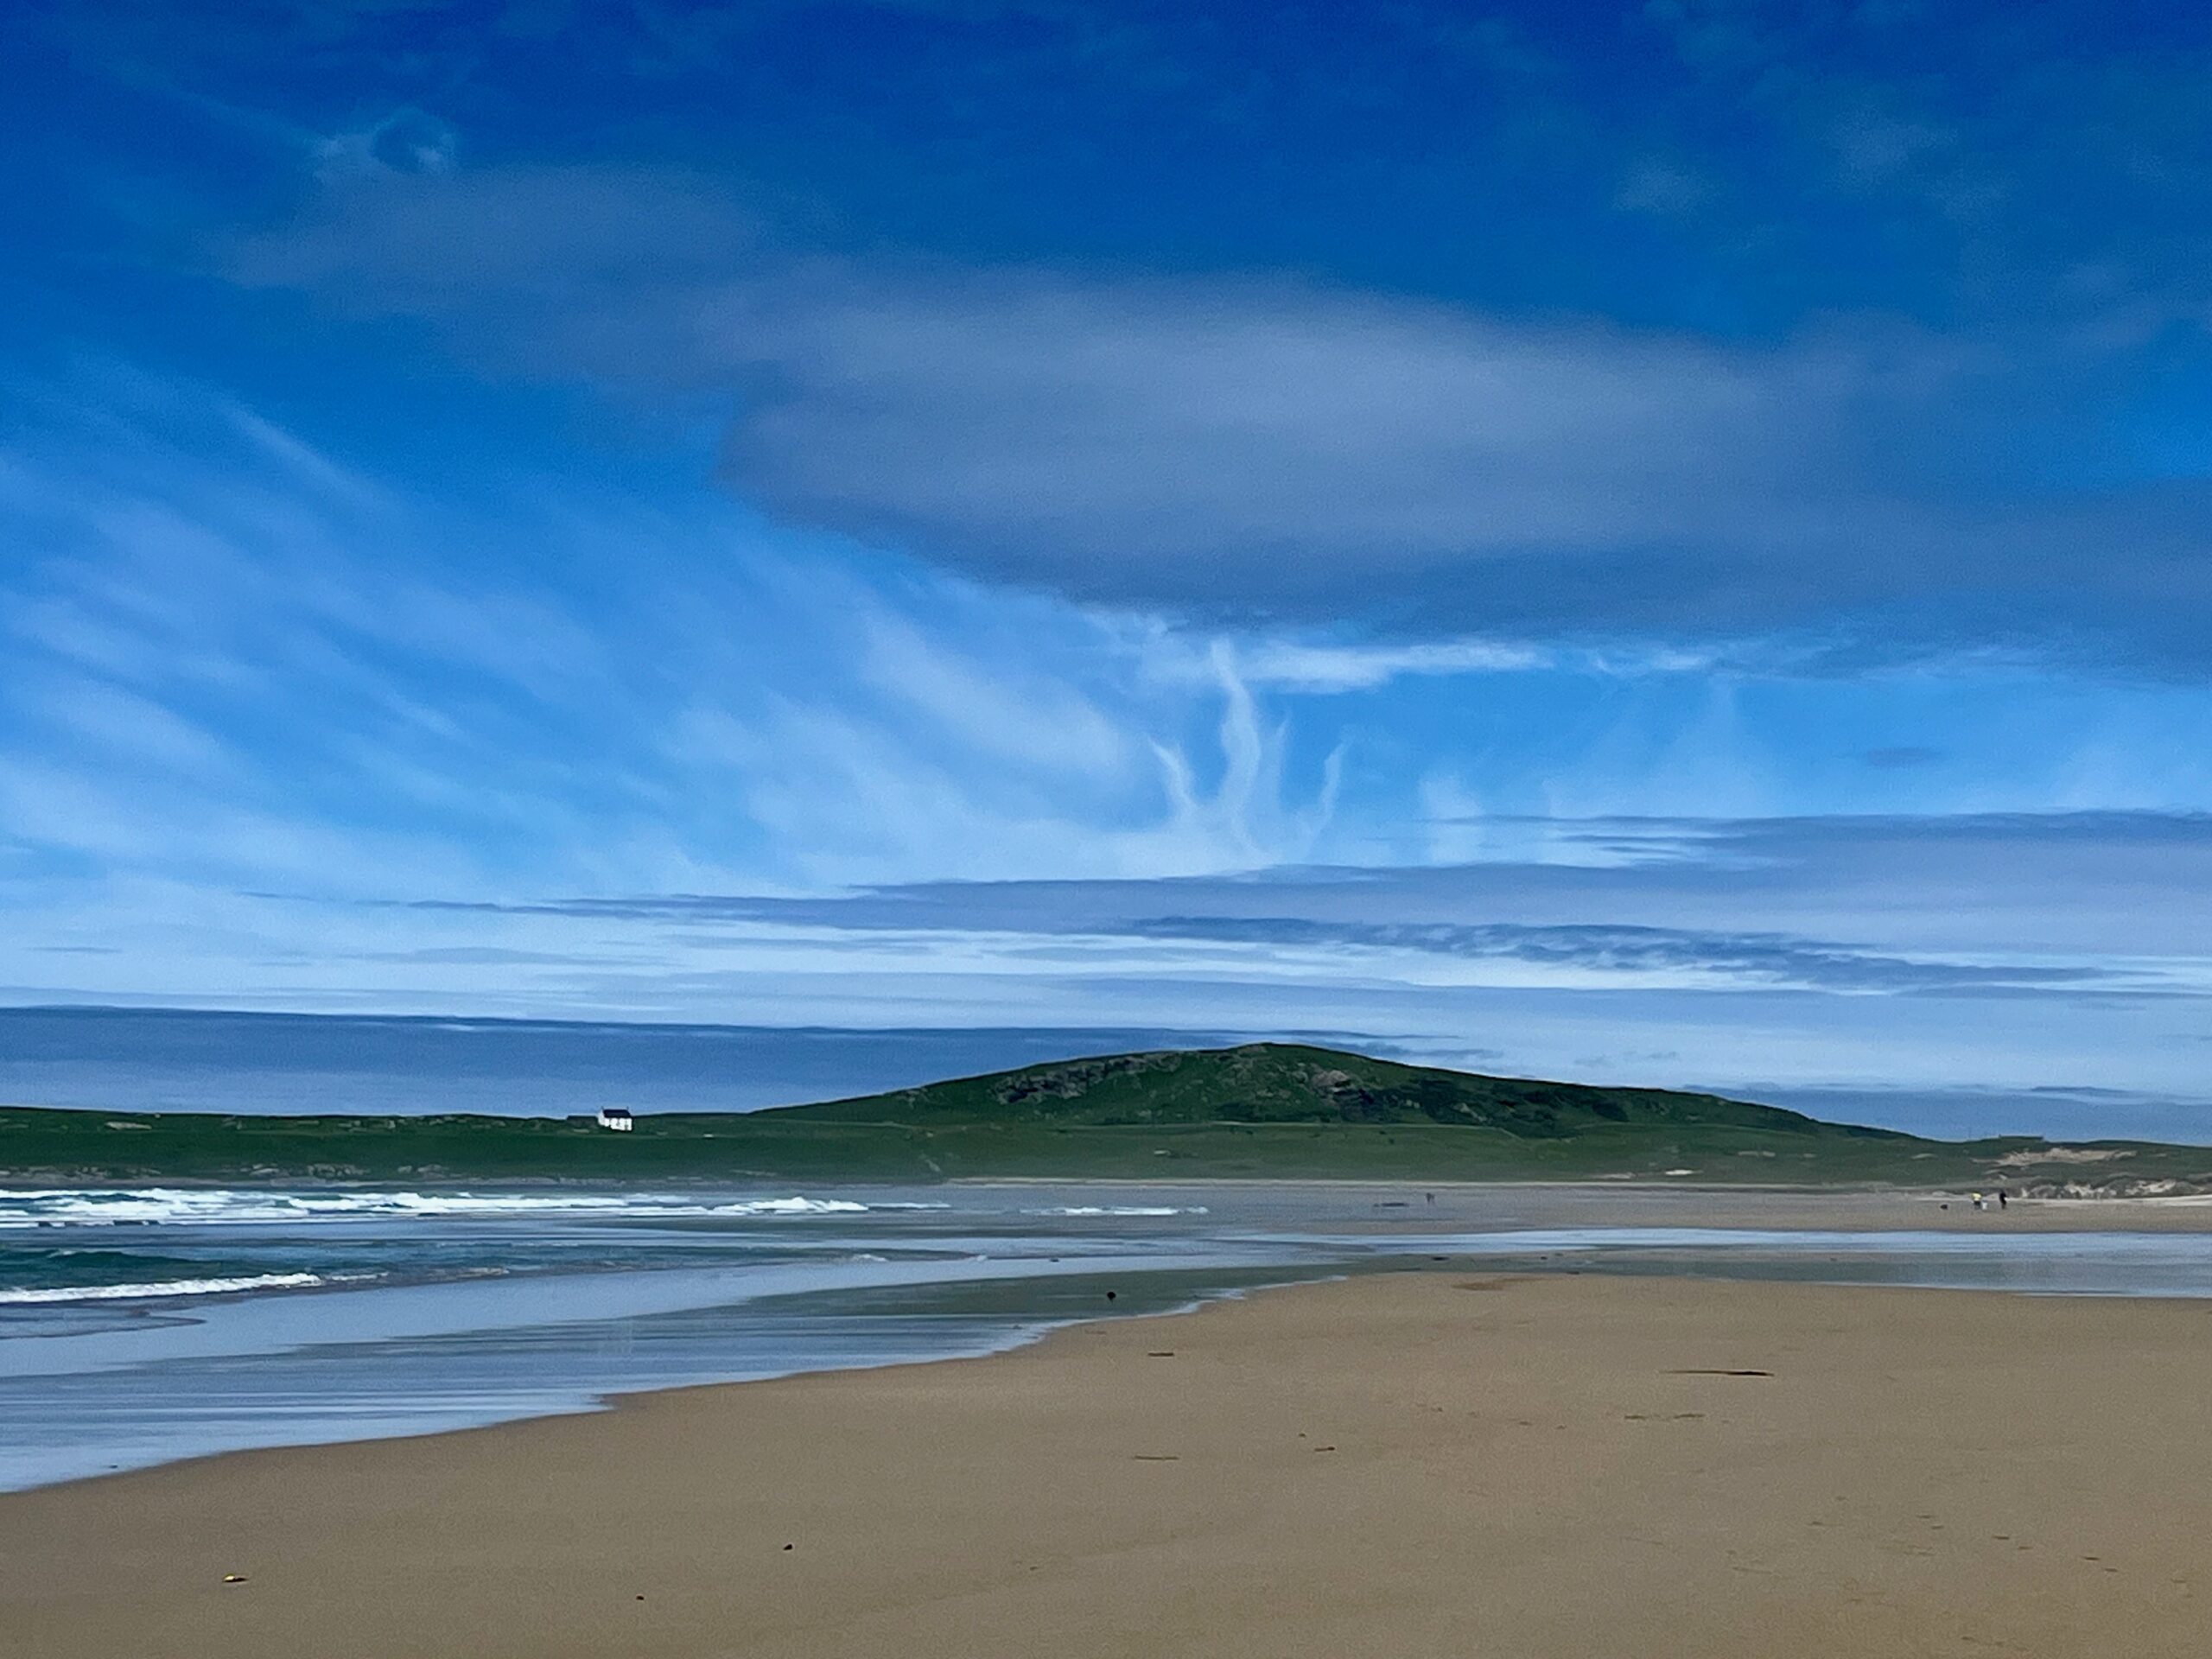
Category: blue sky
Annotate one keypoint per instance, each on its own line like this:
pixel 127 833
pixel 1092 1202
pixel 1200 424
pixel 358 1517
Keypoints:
pixel 1663 543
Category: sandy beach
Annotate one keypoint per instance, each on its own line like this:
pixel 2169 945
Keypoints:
pixel 1420 1207
pixel 1417 1463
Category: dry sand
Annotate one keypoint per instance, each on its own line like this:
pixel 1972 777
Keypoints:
pixel 1414 1464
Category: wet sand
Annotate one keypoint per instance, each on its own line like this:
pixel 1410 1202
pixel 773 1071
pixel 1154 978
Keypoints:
pixel 1418 1463
pixel 1431 1206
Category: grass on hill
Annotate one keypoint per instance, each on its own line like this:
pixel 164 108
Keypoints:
pixel 1261 1111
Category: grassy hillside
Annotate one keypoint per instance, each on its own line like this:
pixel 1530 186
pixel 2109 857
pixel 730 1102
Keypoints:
pixel 1281 1084
pixel 1266 1110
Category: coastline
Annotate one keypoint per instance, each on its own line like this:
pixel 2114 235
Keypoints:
pixel 1838 1207
pixel 1842 1206
pixel 1541 1466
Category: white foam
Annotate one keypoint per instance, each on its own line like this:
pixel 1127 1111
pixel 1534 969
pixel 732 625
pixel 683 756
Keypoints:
pixel 241 1205
pixel 1119 1210
pixel 170 1288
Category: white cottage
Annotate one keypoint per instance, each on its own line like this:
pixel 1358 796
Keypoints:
pixel 616 1118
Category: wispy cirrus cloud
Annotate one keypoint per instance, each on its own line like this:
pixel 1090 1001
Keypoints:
pixel 1654 564
pixel 232 655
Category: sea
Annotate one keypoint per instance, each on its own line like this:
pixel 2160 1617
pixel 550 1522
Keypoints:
pixel 141 1326
pixel 201 1060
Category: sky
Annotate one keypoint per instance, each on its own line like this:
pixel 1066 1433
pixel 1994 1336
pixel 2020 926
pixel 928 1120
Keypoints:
pixel 1664 544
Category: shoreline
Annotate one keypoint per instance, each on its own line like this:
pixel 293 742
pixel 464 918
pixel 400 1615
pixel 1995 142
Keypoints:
pixel 1944 1208
pixel 104 1412
pixel 1844 1206
pixel 619 1400
pixel 1495 1273
pixel 1554 1463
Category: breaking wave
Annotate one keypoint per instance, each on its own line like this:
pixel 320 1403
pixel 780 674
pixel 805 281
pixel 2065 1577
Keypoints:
pixel 168 1288
pixel 233 1205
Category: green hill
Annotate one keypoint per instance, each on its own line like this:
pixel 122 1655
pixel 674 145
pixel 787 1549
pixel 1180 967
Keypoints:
pixel 1261 1111
pixel 1281 1084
